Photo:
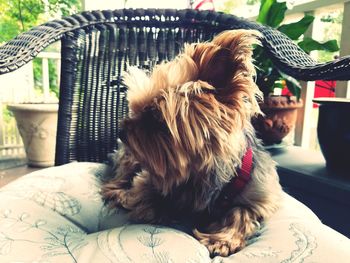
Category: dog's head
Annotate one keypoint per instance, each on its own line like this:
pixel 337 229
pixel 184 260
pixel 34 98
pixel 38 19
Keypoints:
pixel 189 115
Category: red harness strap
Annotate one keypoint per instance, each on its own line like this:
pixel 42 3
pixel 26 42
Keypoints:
pixel 243 177
pixel 237 183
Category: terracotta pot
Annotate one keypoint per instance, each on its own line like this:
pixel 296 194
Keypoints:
pixel 37 124
pixel 333 130
pixel 280 117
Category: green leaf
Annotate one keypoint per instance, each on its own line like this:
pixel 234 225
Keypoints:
pixel 276 14
pixel 308 44
pixel 295 30
pixel 292 84
pixel 271 12
pixel 264 11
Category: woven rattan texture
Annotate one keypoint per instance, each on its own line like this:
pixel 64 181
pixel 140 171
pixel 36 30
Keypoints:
pixel 97 46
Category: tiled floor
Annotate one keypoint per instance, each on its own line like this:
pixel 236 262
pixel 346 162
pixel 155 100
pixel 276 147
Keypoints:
pixel 11 174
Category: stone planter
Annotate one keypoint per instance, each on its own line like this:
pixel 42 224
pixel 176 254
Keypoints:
pixel 333 130
pixel 37 124
pixel 279 120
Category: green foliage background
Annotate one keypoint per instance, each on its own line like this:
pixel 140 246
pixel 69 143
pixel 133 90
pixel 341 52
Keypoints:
pixel 17 16
pixel 272 13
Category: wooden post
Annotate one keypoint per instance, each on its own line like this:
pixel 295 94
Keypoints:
pixel 343 87
pixel 83 5
pixel 1 129
pixel 303 124
pixel 46 80
pixel 58 71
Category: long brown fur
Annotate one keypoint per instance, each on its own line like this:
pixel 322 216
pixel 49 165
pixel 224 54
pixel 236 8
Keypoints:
pixel 188 128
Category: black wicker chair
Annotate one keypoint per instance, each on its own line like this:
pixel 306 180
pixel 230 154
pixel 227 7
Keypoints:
pixel 97 46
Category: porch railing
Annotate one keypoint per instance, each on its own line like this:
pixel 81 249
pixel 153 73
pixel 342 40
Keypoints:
pixel 10 141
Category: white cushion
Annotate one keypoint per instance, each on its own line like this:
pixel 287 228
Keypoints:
pixel 56 215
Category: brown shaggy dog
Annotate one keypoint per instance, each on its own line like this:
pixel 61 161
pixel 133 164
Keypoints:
pixel 187 136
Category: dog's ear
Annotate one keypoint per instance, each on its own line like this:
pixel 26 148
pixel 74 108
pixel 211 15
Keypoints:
pixel 226 62
pixel 214 64
pixel 238 41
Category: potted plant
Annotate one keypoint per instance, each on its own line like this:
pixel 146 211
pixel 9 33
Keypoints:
pixel 281 92
pixel 37 125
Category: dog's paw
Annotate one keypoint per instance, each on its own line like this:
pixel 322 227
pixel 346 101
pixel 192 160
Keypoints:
pixel 218 249
pixel 224 248
pixel 218 244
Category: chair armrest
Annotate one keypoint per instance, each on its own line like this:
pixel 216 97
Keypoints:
pixel 26 46
pixel 292 60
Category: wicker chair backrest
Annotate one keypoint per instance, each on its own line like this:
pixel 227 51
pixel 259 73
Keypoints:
pixel 92 96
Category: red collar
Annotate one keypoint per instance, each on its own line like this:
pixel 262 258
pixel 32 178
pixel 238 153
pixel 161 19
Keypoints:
pixel 243 177
pixel 237 183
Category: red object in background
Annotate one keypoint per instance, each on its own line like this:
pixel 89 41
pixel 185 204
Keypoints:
pixel 286 92
pixel 203 4
pixel 324 88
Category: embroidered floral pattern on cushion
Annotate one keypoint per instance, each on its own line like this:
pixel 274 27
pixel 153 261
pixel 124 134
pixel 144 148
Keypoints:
pixel 62 240
pixel 268 252
pixel 306 244
pixel 58 201
pixel 152 243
